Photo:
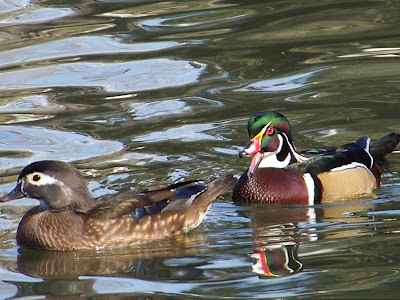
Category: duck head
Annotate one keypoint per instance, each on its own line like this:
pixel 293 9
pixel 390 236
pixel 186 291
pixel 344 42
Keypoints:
pixel 270 142
pixel 55 184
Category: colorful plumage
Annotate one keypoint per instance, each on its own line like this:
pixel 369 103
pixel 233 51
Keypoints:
pixel 279 174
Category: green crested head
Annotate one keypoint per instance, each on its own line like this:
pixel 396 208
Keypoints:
pixel 267 125
pixel 270 141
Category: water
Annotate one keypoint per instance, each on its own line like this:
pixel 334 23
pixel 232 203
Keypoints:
pixel 148 92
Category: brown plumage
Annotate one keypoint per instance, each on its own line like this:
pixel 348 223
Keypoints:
pixel 68 218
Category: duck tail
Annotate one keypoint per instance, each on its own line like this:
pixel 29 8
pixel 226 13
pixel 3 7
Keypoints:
pixel 214 189
pixel 197 210
pixel 382 147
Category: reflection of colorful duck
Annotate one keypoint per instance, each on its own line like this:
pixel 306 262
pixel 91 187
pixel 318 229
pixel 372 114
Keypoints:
pixel 278 232
pixel 281 261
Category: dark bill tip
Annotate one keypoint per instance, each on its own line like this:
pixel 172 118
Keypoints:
pixel 16 193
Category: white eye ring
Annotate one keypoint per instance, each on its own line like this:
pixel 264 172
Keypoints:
pixel 38 178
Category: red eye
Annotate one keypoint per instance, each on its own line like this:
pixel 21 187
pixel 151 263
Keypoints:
pixel 270 131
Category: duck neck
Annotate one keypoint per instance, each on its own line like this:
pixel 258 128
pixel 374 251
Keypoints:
pixel 285 155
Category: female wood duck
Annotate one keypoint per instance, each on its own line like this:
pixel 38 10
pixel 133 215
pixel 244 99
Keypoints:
pixel 69 218
pixel 279 174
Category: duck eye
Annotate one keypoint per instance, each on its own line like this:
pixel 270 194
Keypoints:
pixel 270 131
pixel 36 177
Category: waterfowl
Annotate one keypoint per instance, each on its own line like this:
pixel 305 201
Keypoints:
pixel 279 174
pixel 69 218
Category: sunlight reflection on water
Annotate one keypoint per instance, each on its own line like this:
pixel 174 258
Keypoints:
pixel 113 77
pixel 80 46
pixel 49 144
pixel 143 92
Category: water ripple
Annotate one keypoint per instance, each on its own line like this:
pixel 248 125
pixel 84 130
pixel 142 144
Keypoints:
pixel 168 107
pixel 26 144
pixel 197 20
pixel 79 46
pixel 113 77
pixel 282 84
pixel 29 104
pixel 32 14
pixel 186 133
pixel 7 7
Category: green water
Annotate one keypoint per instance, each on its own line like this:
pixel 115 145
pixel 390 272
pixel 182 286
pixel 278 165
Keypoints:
pixel 147 92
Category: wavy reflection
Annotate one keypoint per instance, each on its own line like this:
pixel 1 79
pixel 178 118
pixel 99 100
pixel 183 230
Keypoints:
pixel 79 46
pixel 38 104
pixel 283 84
pixel 32 14
pixel 279 232
pixel 82 272
pixel 185 133
pixel 130 76
pixel 48 144
pixel 168 107
pixel 282 261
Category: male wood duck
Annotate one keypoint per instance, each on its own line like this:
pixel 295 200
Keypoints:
pixel 281 175
pixel 69 218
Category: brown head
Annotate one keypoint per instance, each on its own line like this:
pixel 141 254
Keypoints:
pixel 56 184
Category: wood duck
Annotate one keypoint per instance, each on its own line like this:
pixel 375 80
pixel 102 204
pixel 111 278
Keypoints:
pixel 69 218
pixel 281 175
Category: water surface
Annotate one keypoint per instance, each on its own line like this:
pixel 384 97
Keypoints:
pixel 147 92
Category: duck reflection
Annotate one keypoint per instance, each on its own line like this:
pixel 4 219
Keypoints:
pixel 69 273
pixel 54 288
pixel 278 233
pixel 281 261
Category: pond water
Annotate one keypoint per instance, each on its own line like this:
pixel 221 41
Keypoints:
pixel 148 92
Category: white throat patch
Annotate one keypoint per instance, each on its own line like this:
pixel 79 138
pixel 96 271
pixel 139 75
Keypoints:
pixel 270 160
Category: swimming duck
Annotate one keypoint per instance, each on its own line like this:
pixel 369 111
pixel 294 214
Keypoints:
pixel 279 174
pixel 69 218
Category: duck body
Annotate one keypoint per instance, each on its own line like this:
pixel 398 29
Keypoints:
pixel 279 174
pixel 267 186
pixel 69 219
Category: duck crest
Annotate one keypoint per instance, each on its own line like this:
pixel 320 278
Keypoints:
pixel 280 174
pixel 109 221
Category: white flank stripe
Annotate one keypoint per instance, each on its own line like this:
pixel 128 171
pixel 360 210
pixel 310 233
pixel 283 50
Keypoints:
pixel 349 166
pixel 310 188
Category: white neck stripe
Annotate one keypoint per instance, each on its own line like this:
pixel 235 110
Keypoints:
pixel 296 155
pixel 369 154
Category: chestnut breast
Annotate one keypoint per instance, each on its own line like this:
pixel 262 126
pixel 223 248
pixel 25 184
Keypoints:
pixel 271 185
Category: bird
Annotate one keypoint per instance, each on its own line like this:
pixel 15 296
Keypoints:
pixel 69 218
pixel 279 174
